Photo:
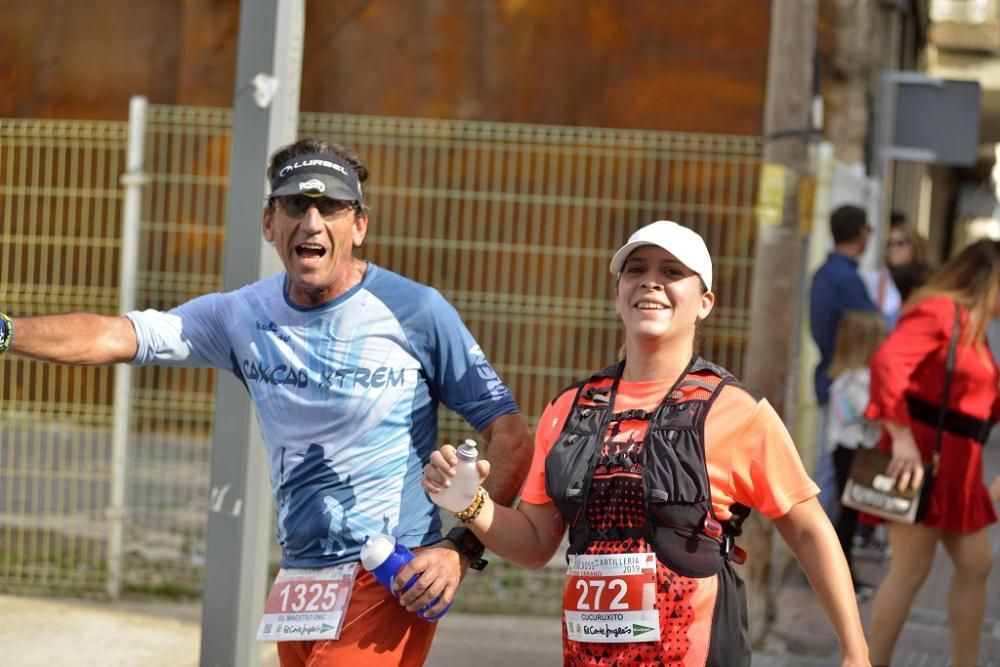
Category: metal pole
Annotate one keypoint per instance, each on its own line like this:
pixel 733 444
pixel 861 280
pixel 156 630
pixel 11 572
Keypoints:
pixel 265 114
pixel 880 205
pixel 883 172
pixel 783 219
pixel 133 179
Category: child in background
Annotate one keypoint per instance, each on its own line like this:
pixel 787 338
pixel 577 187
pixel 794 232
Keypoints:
pixel 858 336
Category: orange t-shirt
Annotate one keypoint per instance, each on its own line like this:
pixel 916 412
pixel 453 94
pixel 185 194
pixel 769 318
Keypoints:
pixel 750 460
pixel 750 456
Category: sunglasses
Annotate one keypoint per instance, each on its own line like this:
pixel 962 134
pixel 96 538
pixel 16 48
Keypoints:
pixel 296 206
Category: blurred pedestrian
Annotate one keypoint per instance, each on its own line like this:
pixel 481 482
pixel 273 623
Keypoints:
pixel 858 336
pixel 345 362
pixel 905 269
pixel 653 464
pixel 907 390
pixel 836 287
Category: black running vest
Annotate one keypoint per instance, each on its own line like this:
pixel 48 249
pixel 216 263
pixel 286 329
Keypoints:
pixel 680 523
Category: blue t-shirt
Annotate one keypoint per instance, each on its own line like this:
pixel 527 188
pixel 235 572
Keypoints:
pixel 836 287
pixel 346 395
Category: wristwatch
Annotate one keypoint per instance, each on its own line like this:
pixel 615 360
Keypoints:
pixel 468 545
pixel 6 332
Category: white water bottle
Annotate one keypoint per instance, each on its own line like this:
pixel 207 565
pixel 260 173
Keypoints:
pixel 462 491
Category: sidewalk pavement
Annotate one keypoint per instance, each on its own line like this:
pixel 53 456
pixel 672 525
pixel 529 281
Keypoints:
pixel 42 632
pixel 45 632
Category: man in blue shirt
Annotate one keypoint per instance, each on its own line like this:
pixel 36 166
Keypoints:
pixel 836 288
pixel 346 363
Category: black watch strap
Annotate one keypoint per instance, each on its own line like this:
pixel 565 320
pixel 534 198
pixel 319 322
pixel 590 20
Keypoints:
pixel 468 545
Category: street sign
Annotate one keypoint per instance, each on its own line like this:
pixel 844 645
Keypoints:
pixel 932 120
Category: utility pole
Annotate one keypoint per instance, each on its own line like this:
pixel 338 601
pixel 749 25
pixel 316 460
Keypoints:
pixel 784 209
pixel 265 116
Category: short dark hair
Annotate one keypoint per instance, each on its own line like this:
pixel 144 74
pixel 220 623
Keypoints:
pixel 307 146
pixel 847 223
pixel 897 219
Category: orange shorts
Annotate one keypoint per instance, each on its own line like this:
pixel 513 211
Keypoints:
pixel 377 632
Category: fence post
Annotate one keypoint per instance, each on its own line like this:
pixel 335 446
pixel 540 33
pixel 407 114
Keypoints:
pixel 132 180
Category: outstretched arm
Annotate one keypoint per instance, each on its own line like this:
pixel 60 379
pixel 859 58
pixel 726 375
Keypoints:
pixel 83 339
pixel 812 539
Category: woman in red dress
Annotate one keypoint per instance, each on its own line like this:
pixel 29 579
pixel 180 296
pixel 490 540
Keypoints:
pixel 907 381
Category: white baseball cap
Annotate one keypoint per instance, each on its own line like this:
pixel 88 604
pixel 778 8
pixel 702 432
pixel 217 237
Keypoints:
pixel 683 243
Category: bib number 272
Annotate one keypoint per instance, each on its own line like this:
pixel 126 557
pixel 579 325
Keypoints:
pixel 611 598
pixel 592 594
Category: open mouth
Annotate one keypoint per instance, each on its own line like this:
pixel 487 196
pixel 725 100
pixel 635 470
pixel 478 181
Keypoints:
pixel 650 305
pixel 310 251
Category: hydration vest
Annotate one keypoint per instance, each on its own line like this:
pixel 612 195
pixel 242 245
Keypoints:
pixel 680 523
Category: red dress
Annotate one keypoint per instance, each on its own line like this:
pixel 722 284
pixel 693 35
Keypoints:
pixel 912 361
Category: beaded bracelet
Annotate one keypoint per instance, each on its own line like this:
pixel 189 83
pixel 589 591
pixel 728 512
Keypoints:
pixel 473 510
pixel 6 332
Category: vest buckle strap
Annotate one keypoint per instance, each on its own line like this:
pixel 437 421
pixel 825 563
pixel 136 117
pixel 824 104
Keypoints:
pixel 598 395
pixel 627 415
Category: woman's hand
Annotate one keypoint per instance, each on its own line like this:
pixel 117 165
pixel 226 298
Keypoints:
pixel 906 466
pixel 439 472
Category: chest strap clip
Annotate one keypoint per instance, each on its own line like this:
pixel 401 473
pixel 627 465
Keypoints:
pixel 626 415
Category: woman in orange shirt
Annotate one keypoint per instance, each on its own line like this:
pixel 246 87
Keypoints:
pixel 652 465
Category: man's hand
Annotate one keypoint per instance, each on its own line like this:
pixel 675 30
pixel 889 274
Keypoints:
pixel 440 568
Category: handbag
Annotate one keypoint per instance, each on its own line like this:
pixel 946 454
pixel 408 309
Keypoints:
pixel 870 490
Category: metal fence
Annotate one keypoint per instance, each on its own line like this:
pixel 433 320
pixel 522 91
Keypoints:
pixel 513 223
pixel 60 203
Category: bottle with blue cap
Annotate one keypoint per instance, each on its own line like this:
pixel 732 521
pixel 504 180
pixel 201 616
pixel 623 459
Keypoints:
pixel 384 556
pixel 462 491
